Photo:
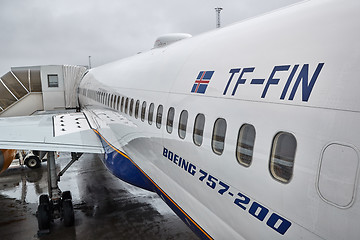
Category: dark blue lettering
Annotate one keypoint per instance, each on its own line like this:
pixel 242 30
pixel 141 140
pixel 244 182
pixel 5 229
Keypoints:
pixel 273 80
pixel 232 71
pixel 262 214
pixel 176 158
pixel 240 79
pixel 192 169
pixel 283 94
pixel 304 76
pixel 184 165
pixel 170 155
pixel 165 151
pixel 284 225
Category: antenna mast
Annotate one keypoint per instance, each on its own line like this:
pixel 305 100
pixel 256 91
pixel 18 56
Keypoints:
pixel 218 10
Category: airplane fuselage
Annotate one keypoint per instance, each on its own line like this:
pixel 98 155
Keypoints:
pixel 247 132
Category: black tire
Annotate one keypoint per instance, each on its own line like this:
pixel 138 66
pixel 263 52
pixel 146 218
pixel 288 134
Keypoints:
pixel 32 162
pixel 43 217
pixel 68 213
pixel 66 195
pixel 44 199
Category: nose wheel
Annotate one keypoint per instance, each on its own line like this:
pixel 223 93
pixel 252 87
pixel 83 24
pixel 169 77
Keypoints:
pixel 56 205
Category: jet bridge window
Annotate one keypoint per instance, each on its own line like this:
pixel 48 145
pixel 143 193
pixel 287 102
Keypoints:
pixel 218 137
pixel 282 156
pixel 137 105
pixel 143 111
pixel 151 113
pixel 126 105
pixel 53 80
pixel 131 107
pixel 199 129
pixel 182 124
pixel 159 116
pixel 170 120
pixel 245 144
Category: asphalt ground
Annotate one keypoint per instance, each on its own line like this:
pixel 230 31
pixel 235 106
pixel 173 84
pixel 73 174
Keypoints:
pixel 105 207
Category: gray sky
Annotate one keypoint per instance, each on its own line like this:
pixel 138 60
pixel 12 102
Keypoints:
pixel 42 32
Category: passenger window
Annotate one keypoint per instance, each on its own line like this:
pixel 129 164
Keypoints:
pixel 199 129
pixel 109 100
pixel 245 144
pixel 131 107
pixel 143 110
pixel 126 105
pixel 151 113
pixel 182 124
pixel 159 116
pixel 114 101
pixel 282 157
pixel 118 103
pixel 122 104
pixel 218 137
pixel 170 120
pixel 137 105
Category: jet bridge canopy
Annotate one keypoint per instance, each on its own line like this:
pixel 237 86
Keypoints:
pixel 24 90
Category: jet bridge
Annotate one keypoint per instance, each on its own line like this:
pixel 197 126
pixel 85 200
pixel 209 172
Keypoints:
pixel 25 90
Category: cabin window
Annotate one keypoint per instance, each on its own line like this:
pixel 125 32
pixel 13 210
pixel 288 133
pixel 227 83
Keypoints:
pixel 108 100
pixel 182 124
pixel 218 137
pixel 159 116
pixel 151 113
pixel 126 105
pixel 170 120
pixel 131 107
pixel 199 129
pixel 283 156
pixel 122 104
pixel 53 80
pixel 143 111
pixel 245 144
pixel 118 103
pixel 137 105
pixel 111 100
pixel 114 102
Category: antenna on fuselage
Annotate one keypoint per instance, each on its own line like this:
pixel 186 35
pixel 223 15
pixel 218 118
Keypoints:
pixel 218 23
pixel 89 62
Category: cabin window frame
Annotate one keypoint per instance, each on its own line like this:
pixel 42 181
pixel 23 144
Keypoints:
pixel 199 126
pixel 151 113
pixel 245 144
pixel 183 119
pixel 159 114
pixel 217 140
pixel 143 111
pixel 170 120
pixel 278 161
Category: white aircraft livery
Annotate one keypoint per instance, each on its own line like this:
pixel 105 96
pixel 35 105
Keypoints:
pixel 247 132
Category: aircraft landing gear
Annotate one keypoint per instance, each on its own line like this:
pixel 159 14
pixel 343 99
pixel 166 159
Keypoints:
pixel 56 205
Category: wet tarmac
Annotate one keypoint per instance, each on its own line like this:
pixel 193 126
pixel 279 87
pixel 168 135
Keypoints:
pixel 105 207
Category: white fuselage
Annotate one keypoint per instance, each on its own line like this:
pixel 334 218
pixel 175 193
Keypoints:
pixel 293 71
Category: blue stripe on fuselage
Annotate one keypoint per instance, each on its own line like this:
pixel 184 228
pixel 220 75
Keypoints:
pixel 124 168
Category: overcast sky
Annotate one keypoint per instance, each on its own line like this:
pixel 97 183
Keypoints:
pixel 43 32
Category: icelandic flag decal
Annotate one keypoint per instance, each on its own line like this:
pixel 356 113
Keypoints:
pixel 202 81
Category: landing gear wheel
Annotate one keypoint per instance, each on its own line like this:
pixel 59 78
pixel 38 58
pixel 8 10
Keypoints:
pixel 44 199
pixel 43 216
pixel 33 162
pixel 68 212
